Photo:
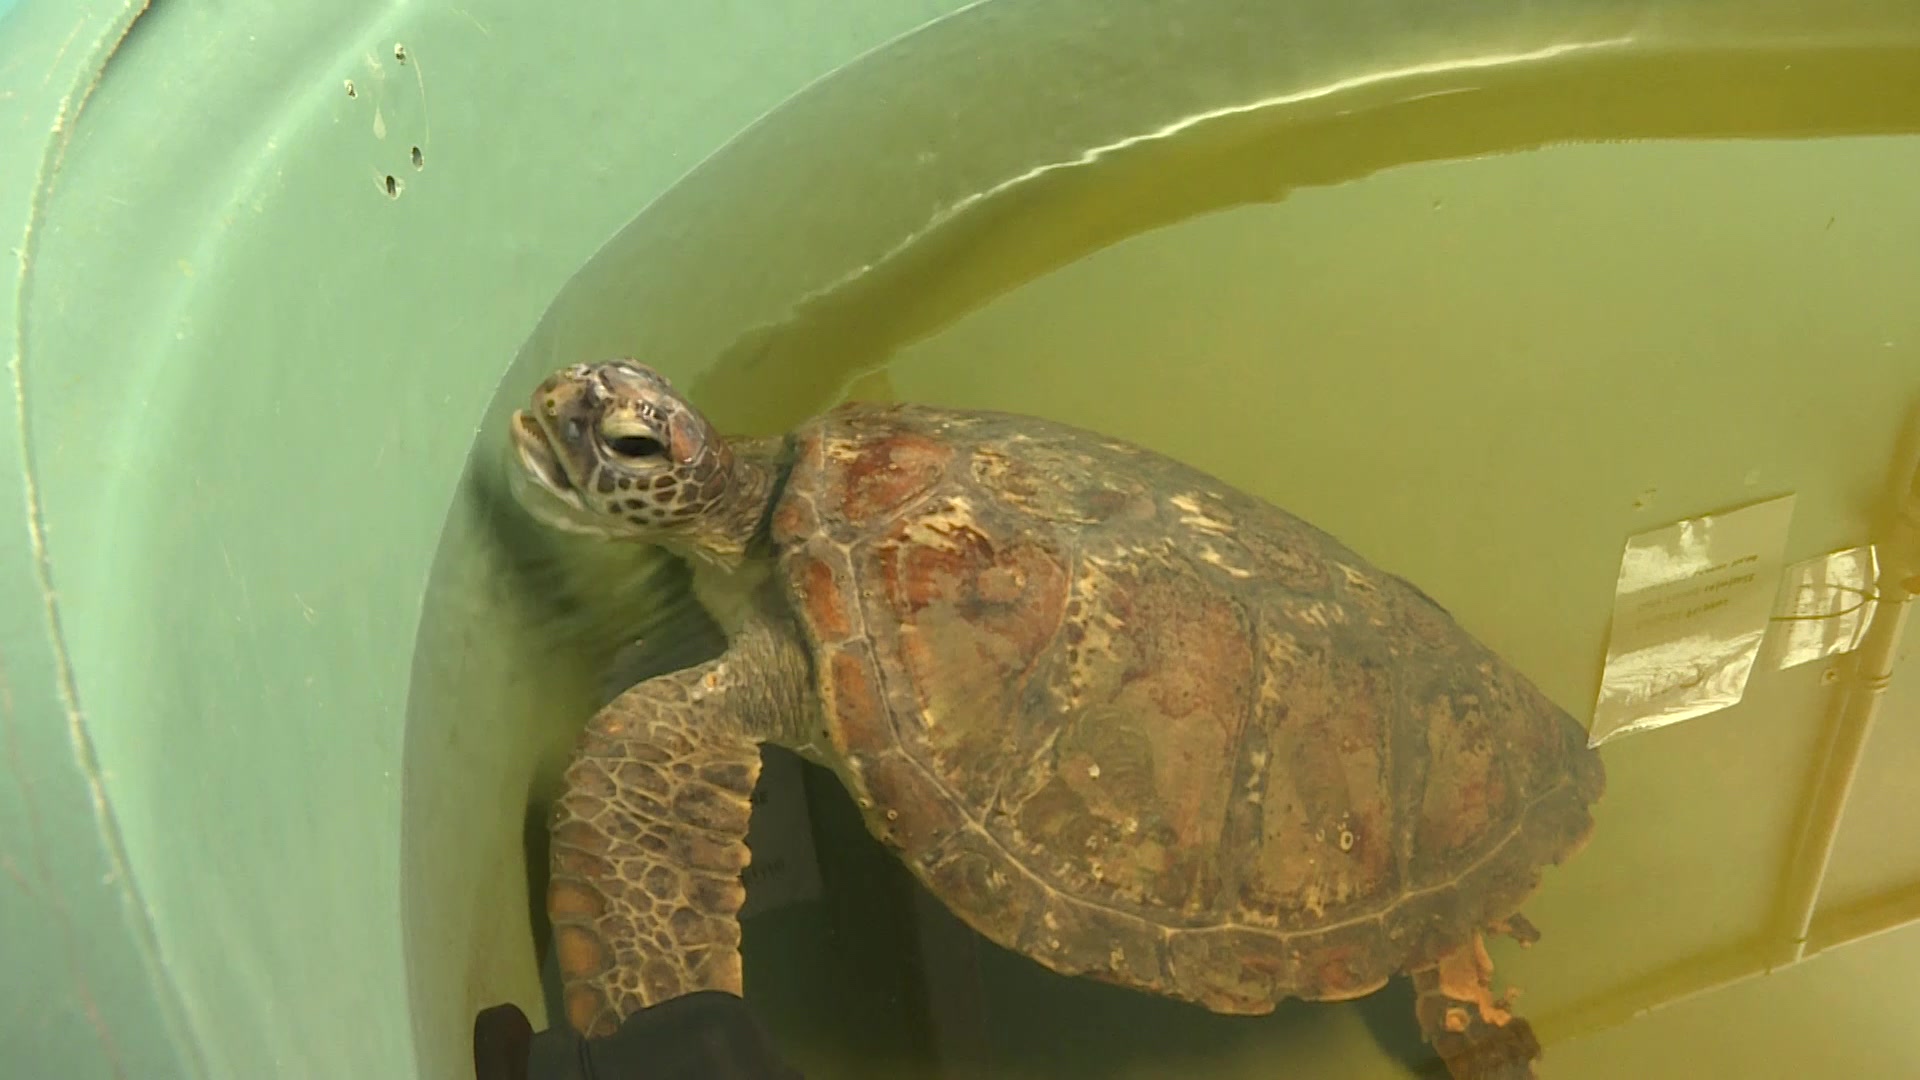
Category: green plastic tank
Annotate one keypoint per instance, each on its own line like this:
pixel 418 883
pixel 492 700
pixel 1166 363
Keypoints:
pixel 277 712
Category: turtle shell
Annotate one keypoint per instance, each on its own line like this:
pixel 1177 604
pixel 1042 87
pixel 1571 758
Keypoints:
pixel 1143 727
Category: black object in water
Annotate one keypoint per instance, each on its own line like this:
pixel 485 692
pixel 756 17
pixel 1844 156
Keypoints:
pixel 705 1036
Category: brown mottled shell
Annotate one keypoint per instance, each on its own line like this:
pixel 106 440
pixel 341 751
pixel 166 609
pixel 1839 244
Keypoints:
pixel 1143 727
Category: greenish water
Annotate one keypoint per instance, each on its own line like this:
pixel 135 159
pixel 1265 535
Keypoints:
pixel 1476 372
pixel 1483 370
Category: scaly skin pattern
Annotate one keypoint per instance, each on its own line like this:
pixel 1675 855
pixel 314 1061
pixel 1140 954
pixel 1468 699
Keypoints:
pixel 1143 727
pixel 649 837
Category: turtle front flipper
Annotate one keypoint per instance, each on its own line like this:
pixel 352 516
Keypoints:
pixel 1472 1031
pixel 649 834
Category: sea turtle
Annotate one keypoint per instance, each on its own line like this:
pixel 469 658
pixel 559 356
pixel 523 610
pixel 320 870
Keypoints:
pixel 1115 714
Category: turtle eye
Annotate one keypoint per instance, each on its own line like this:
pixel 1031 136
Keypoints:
pixel 635 446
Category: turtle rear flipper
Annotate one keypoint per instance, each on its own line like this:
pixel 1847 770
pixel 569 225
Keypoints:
pixel 649 837
pixel 1473 1032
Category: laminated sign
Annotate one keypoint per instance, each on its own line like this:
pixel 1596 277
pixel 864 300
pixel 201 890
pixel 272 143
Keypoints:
pixel 1689 615
pixel 1825 606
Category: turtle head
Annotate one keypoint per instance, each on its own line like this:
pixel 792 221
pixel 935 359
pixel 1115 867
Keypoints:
pixel 611 449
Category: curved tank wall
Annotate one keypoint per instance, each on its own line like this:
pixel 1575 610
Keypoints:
pixel 244 378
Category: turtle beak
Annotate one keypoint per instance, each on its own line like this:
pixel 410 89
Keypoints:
pixel 534 450
pixel 539 483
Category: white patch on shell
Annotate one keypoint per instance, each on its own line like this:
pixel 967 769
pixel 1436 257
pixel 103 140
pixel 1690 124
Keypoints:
pixel 1202 512
pixel 1329 885
pixel 1317 613
pixel 1211 556
pixel 1284 646
pixel 1163 551
pixel 940 529
pixel 1283 654
pixel 840 450
pixel 1357 578
pixel 1099 631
